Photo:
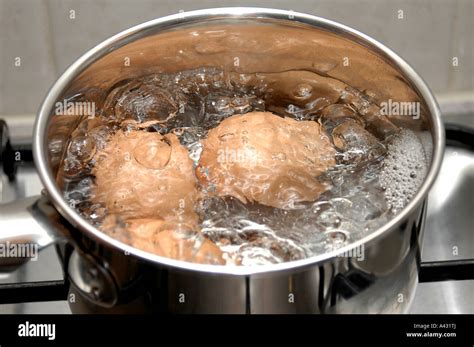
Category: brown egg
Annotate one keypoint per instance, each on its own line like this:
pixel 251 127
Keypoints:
pixel 264 158
pixel 145 175
pixel 173 239
pixel 174 242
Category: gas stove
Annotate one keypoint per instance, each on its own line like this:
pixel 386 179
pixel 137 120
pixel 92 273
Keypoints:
pixel 447 267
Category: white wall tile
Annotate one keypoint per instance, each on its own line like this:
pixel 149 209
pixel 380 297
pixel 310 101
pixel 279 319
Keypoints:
pixel 462 76
pixel 25 34
pixel 431 33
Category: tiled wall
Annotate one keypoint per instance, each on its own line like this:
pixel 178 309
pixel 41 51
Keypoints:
pixel 47 40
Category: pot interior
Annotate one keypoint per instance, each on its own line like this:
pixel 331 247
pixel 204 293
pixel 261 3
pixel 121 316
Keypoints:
pixel 285 53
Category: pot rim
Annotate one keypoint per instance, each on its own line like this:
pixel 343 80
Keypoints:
pixel 41 124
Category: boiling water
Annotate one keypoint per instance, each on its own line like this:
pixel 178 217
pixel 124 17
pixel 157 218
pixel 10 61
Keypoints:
pixel 371 182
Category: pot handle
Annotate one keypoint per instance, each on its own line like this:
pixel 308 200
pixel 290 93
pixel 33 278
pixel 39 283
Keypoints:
pixel 28 225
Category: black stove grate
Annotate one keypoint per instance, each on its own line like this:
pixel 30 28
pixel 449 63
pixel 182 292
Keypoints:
pixel 14 293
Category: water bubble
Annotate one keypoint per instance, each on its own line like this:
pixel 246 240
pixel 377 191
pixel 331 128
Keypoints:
pixel 303 91
pixel 335 239
pixel 82 148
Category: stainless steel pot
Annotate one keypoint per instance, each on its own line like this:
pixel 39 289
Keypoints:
pixel 109 274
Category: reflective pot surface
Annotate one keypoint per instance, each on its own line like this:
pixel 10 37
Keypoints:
pixel 379 278
pixel 377 273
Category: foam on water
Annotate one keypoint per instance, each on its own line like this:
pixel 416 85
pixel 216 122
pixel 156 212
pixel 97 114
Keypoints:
pixel 404 169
